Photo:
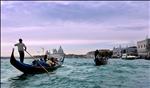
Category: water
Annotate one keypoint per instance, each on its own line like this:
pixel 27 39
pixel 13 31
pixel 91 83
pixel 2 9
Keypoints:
pixel 81 73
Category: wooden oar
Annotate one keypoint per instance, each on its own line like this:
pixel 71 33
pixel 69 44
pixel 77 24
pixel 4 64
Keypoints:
pixel 38 62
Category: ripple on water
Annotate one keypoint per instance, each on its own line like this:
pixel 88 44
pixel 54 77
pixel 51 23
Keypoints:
pixel 81 73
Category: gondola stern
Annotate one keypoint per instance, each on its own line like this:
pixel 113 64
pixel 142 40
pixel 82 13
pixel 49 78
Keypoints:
pixel 62 60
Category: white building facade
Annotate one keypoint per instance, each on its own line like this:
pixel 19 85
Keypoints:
pixel 143 48
pixel 117 52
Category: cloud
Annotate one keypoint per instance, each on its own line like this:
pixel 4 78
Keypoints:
pixel 92 11
pixel 74 30
pixel 132 28
pixel 74 23
pixel 65 42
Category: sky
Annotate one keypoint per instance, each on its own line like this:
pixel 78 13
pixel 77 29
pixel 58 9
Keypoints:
pixel 78 26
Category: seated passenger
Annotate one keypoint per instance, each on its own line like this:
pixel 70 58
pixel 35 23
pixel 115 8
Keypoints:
pixel 54 60
pixel 39 63
pixel 45 57
pixel 50 62
pixel 34 62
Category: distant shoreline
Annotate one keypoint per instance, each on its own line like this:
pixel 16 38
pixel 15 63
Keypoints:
pixel 39 58
pixel 42 56
pixel 65 57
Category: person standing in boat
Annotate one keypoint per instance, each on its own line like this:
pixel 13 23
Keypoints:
pixel 21 47
pixel 96 53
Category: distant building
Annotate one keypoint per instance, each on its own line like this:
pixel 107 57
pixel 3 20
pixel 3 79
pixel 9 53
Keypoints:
pixel 132 50
pixel 90 54
pixel 54 51
pixel 47 53
pixel 143 48
pixel 117 52
pixel 60 50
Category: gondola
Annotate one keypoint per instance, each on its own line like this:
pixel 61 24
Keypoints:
pixel 100 61
pixel 32 69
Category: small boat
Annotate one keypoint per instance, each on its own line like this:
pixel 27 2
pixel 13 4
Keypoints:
pixel 100 61
pixel 32 69
pixel 128 57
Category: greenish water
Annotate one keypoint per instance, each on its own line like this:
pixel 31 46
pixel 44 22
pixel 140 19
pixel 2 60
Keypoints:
pixel 81 73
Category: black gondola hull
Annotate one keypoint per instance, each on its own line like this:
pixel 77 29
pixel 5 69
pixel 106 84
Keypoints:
pixel 99 61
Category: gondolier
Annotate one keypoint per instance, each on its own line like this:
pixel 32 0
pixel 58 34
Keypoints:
pixel 96 53
pixel 21 48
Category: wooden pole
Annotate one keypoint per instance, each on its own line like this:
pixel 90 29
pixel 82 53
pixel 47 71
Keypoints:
pixel 38 62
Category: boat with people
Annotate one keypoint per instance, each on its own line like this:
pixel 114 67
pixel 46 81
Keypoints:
pixel 39 67
pixel 100 61
pixel 101 57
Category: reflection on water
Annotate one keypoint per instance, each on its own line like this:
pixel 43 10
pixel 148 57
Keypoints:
pixel 22 77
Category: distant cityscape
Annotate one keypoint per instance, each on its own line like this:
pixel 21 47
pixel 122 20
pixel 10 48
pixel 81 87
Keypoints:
pixel 141 50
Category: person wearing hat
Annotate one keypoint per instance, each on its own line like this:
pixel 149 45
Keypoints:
pixel 21 47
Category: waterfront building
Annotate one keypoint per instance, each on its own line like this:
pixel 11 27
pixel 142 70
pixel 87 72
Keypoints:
pixel 47 52
pixel 60 50
pixel 90 54
pixel 54 51
pixel 132 50
pixel 143 48
pixel 117 52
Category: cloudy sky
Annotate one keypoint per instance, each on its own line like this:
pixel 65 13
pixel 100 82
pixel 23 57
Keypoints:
pixel 78 26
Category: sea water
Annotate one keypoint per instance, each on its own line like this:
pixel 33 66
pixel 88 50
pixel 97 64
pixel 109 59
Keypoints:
pixel 81 73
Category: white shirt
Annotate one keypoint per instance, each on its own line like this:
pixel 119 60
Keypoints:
pixel 20 46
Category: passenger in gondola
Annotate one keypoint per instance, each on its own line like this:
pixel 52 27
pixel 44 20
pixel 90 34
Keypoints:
pixel 35 63
pixel 45 57
pixel 55 60
pixel 21 48
pixel 50 62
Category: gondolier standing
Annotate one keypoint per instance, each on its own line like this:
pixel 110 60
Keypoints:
pixel 96 53
pixel 21 48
